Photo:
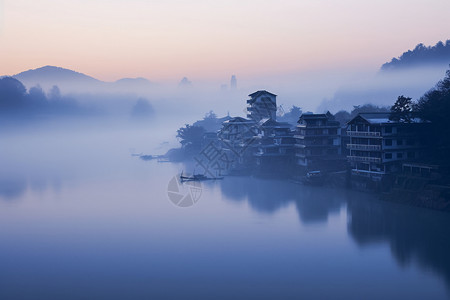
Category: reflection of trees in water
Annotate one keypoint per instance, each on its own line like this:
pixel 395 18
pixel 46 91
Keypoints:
pixel 313 204
pixel 13 187
pixel 414 234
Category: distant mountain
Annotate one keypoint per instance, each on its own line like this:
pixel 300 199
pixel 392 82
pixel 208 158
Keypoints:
pixel 421 55
pixel 49 75
pixel 72 81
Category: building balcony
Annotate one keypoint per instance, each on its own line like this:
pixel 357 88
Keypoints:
pixel 327 126
pixel 323 155
pixel 297 136
pixel 324 146
pixel 280 151
pixel 320 135
pixel 276 145
pixel 364 147
pixel 364 159
pixel 370 174
pixel 364 133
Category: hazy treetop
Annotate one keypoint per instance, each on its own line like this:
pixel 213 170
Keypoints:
pixel 421 55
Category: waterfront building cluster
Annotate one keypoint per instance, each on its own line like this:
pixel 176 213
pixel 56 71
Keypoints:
pixel 365 149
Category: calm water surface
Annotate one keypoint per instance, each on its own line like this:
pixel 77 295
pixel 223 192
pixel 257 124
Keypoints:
pixel 80 218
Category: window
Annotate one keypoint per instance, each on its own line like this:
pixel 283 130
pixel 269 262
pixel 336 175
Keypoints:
pixel 388 130
pixel 388 142
pixel 399 155
pixel 409 142
pixel 399 142
pixel 411 155
pixel 388 155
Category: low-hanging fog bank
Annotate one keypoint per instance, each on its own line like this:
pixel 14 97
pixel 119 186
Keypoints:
pixel 383 88
pixel 175 103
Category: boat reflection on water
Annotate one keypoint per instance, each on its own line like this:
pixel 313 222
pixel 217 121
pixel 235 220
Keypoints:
pixel 314 178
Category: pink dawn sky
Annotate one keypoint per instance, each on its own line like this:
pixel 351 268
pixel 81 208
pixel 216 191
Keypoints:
pixel 165 40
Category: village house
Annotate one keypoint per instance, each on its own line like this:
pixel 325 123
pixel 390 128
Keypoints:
pixel 237 139
pixel 259 141
pixel 262 105
pixel 274 147
pixel 378 145
pixel 318 143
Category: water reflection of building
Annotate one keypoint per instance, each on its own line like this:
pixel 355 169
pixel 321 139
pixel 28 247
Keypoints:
pixel 415 235
pixel 313 205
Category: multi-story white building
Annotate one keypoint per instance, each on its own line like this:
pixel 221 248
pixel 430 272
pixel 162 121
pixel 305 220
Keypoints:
pixel 378 145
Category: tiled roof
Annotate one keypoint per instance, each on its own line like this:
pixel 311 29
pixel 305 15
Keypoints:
pixel 259 93
pixel 381 118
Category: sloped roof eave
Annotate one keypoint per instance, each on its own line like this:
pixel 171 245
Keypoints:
pixel 257 93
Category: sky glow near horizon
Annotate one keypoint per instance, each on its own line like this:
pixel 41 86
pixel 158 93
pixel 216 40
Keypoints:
pixel 205 40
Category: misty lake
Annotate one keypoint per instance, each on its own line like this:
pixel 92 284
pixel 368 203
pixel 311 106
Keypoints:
pixel 80 218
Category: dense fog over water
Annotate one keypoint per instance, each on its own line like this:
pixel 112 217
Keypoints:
pixel 189 100
pixel 77 210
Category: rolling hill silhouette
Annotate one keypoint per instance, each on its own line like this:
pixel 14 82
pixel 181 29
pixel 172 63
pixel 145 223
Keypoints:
pixel 72 81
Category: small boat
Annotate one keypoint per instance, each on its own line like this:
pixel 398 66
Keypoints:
pixel 314 178
pixel 198 177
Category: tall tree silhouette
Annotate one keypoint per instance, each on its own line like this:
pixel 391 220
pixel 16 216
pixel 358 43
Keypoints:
pixel 12 94
pixel 402 110
pixel 434 107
